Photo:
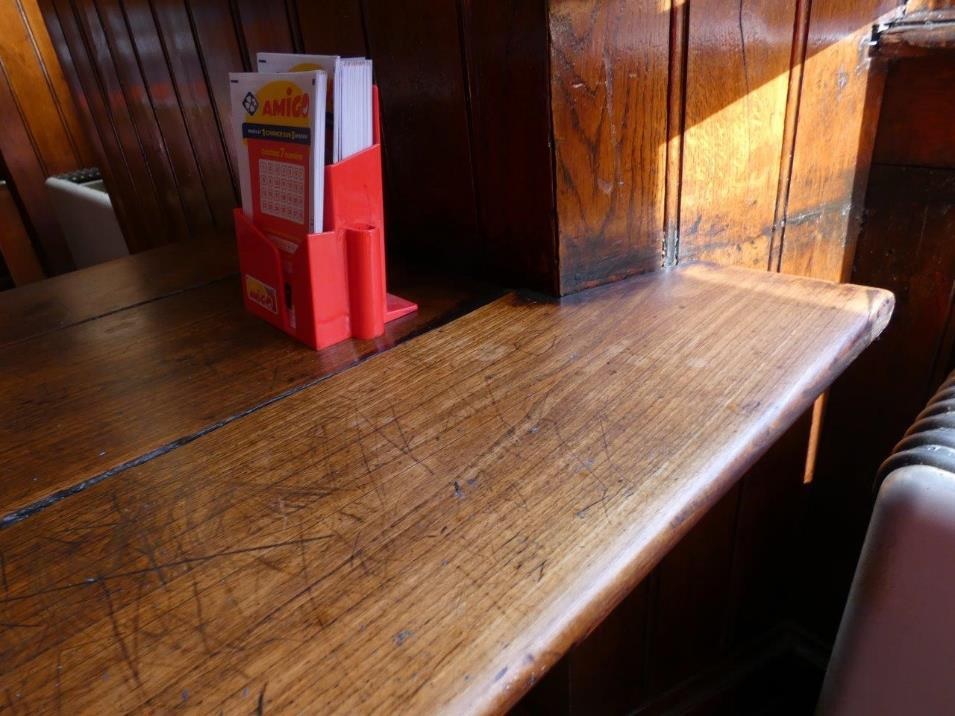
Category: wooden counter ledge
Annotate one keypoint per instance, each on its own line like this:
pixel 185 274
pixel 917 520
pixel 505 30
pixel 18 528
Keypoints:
pixel 433 528
pixel 88 293
pixel 83 402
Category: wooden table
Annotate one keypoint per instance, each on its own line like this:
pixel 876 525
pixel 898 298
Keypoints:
pixel 117 384
pixel 432 528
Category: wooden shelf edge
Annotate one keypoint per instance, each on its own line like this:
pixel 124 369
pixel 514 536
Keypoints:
pixel 490 490
pixel 921 34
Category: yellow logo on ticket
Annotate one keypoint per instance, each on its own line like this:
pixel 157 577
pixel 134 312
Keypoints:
pixel 261 294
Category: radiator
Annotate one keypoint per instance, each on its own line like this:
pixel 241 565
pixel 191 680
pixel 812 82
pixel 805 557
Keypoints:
pixel 85 213
pixel 895 650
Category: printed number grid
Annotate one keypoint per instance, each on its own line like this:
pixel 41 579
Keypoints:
pixel 282 190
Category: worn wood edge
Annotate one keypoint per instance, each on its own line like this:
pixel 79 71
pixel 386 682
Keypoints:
pixel 641 559
pixel 917 35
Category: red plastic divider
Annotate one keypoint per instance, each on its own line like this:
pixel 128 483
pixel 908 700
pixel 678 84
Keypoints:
pixel 337 286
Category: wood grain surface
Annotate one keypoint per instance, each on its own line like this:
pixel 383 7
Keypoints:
pixel 83 401
pixel 433 528
pixel 609 63
pixel 914 126
pixel 507 65
pixel 81 295
pixel 736 89
pixel 41 134
pixel 15 246
pixel 838 112
pixel 931 37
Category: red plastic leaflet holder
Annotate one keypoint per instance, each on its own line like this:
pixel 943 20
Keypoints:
pixel 336 288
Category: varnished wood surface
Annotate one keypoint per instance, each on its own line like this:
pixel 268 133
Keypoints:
pixel 737 83
pixel 87 399
pixel 15 246
pixel 928 33
pixel 98 290
pixel 914 126
pixel 608 77
pixel 838 112
pixel 41 134
pixel 434 527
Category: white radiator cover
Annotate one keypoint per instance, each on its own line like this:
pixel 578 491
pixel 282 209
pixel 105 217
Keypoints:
pixel 86 215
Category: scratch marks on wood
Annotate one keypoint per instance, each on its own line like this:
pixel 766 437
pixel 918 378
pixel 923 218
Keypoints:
pixel 402 636
pixel 260 706
pixel 118 635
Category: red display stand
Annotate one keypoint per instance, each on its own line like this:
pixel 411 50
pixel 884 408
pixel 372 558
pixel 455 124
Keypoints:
pixel 337 282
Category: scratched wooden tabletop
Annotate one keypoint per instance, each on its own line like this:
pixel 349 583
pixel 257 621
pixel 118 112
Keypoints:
pixel 433 528
pixel 86 294
pixel 86 400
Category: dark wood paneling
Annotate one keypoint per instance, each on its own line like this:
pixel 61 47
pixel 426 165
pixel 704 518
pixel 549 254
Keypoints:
pixel 766 544
pixel 264 27
pixel 431 202
pixel 915 126
pixel 214 32
pixel 607 671
pixel 839 105
pixel 332 28
pixel 143 198
pixel 97 123
pixel 506 45
pixel 186 100
pixel 17 252
pixel 690 598
pixel 737 84
pixel 41 134
pixel 144 67
pixel 42 97
pixel 121 69
pixel 609 73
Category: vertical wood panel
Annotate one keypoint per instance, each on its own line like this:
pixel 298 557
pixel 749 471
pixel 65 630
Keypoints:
pixel 28 174
pixel 17 252
pixel 609 68
pixel 40 135
pixel 765 547
pixel 85 88
pixel 915 125
pixel 690 601
pixel 35 97
pixel 117 112
pixel 265 27
pixel 107 25
pixel 430 199
pixel 164 125
pixel 221 53
pixel 506 47
pixel 207 136
pixel 676 123
pixel 333 27
pixel 607 670
pixel 842 91
pixel 737 82
pixel 54 74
